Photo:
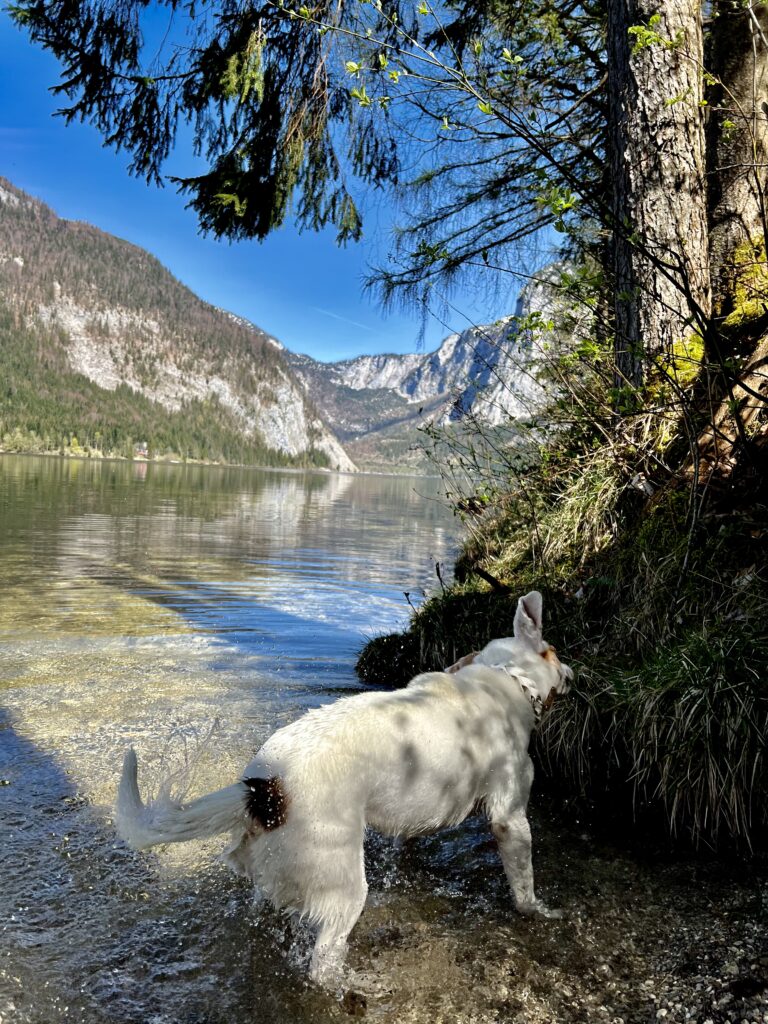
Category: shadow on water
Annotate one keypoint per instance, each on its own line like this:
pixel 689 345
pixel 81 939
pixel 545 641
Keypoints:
pixel 91 931
pixel 241 620
pixel 253 640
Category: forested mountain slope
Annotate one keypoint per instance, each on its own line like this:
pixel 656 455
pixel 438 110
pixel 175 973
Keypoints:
pixel 104 350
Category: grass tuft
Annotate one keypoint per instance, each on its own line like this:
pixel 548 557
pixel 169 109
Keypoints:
pixel 687 732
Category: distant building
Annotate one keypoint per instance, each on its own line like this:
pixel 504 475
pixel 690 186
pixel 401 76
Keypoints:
pixel 141 450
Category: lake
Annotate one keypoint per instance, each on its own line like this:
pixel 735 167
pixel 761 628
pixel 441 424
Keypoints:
pixel 190 611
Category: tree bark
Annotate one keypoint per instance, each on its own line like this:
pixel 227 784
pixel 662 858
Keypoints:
pixel 737 142
pixel 657 153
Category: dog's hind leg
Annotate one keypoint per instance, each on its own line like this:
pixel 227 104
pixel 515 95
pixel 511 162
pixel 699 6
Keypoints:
pixel 333 873
pixel 331 943
pixel 336 902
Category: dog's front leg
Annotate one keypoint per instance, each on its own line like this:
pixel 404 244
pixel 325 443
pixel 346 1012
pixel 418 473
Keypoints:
pixel 513 834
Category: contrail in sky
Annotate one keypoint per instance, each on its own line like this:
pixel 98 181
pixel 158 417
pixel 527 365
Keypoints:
pixel 344 319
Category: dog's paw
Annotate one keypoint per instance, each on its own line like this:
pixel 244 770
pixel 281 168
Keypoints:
pixel 544 911
pixel 540 909
pixel 354 1003
pixel 327 976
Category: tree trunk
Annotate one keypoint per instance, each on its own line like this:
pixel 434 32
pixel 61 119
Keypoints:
pixel 657 152
pixel 737 143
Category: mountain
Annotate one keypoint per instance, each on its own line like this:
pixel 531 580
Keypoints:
pixel 375 404
pixel 103 350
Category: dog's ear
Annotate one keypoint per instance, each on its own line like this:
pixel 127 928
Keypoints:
pixel 528 617
pixel 462 662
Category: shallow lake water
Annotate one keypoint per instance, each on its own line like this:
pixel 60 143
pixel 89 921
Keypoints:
pixel 190 611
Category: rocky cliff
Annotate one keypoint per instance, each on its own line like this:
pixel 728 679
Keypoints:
pixel 106 312
pixel 493 373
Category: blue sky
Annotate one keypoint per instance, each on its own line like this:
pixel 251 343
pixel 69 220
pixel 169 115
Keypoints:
pixel 301 288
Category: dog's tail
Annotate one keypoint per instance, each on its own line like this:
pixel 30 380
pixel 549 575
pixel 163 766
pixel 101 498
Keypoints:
pixel 166 821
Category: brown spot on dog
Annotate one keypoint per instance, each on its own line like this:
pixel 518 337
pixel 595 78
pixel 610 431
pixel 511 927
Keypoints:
pixel 266 802
pixel 550 655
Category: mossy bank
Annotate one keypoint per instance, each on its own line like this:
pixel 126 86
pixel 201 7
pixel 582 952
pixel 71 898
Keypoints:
pixel 656 591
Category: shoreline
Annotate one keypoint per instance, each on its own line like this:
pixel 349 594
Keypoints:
pixel 213 465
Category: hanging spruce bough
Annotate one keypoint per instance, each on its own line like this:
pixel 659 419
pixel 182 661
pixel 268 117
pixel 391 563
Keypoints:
pixel 288 105
pixel 253 82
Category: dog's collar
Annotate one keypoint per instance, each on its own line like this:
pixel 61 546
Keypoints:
pixel 533 696
pixel 537 702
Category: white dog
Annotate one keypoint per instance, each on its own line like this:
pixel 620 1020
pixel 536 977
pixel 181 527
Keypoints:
pixel 405 763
